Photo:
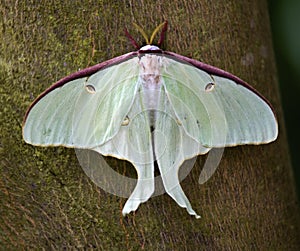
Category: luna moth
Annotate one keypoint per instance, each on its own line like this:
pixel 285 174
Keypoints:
pixel 150 106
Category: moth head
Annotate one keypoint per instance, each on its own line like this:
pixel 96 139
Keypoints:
pixel 149 47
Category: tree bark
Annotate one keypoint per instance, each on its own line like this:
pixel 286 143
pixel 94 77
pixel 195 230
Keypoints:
pixel 47 202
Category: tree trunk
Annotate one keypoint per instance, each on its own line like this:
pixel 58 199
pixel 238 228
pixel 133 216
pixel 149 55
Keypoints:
pixel 47 201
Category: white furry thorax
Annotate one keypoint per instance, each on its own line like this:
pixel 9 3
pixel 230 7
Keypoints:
pixel 151 67
pixel 150 71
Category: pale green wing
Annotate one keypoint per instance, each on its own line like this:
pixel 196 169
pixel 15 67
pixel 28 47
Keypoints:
pixel 216 111
pixel 85 112
pixel 133 142
pixel 172 146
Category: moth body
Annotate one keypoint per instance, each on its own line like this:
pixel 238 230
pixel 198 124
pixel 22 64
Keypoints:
pixel 150 84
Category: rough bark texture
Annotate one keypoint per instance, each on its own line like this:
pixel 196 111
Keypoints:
pixel 47 202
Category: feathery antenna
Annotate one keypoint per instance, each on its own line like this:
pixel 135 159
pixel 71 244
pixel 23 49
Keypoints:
pixel 162 26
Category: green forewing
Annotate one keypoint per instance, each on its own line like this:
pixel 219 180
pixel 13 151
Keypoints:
pixel 73 116
pixel 228 114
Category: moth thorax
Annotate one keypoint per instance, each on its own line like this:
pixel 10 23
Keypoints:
pixel 150 71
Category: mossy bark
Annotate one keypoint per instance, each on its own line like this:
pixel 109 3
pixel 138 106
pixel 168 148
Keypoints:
pixel 47 202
